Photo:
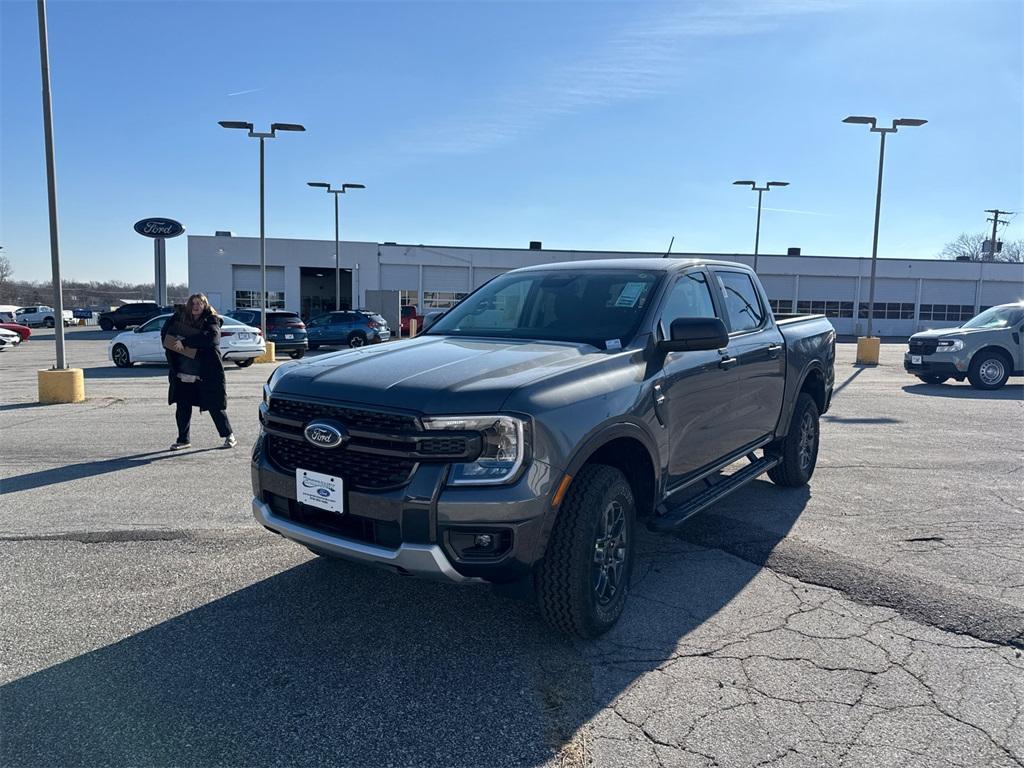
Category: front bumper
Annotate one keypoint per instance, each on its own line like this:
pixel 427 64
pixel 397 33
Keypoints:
pixel 413 529
pixel 942 364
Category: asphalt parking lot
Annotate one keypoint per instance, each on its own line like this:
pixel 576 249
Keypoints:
pixel 875 618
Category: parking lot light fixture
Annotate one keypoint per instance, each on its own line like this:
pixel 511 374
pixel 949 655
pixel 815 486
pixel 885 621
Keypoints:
pixel 909 122
pixel 261 135
pixel 760 191
pixel 337 241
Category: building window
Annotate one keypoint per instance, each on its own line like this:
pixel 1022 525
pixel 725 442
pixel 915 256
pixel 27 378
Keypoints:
pixel 442 299
pixel 888 311
pixel 408 298
pixel 947 312
pixel 251 299
pixel 781 306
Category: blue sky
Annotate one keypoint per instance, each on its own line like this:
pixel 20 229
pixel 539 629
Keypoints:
pixel 585 125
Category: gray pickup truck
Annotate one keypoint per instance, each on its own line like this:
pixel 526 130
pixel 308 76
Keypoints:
pixel 985 350
pixel 520 437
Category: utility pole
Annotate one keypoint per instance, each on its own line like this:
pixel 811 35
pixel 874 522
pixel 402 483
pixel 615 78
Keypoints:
pixel 996 213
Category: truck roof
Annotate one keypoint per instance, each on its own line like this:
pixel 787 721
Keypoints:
pixel 649 265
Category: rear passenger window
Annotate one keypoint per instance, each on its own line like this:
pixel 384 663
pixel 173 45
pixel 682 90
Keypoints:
pixel 690 297
pixel 742 302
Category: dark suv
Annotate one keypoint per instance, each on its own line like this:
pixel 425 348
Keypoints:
pixel 352 328
pixel 131 315
pixel 285 329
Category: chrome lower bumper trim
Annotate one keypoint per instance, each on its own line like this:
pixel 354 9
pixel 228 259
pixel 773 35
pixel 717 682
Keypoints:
pixel 423 560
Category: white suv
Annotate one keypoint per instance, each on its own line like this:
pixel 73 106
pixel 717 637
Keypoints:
pixel 40 315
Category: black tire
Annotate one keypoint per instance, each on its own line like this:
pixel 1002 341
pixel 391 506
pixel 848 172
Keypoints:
pixel 297 354
pixel 245 363
pixel 933 378
pixel 106 325
pixel 314 347
pixel 577 594
pixel 48 322
pixel 799 448
pixel 356 339
pixel 119 354
pixel 989 369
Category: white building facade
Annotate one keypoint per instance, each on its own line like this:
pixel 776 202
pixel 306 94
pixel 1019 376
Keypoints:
pixel 910 294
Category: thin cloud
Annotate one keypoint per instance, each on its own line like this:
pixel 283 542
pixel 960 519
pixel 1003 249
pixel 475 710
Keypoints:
pixel 647 59
pixel 242 93
pixel 789 210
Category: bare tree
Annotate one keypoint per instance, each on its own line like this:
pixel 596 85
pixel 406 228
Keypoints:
pixel 6 270
pixel 970 246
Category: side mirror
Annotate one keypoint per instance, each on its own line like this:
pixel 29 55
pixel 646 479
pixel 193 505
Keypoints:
pixel 690 334
pixel 429 321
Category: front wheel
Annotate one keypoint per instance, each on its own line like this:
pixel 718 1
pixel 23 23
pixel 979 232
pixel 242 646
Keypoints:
pixel 48 322
pixel 989 370
pixel 244 363
pixel 933 379
pixel 584 578
pixel 297 354
pixel 120 356
pixel 799 448
pixel 106 325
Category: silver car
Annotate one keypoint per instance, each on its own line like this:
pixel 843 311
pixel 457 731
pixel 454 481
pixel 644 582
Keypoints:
pixel 986 349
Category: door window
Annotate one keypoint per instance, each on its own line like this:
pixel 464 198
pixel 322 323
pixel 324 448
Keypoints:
pixel 742 301
pixel 690 297
pixel 153 325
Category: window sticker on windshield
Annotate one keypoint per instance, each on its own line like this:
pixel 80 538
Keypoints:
pixel 630 295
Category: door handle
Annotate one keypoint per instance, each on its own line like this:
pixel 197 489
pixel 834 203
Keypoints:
pixel 774 349
pixel 727 362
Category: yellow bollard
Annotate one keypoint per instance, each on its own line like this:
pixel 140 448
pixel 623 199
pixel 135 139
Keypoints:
pixel 867 350
pixel 268 356
pixel 412 327
pixel 81 322
pixel 61 386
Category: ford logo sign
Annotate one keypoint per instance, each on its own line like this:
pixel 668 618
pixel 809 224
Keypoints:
pixel 159 228
pixel 325 434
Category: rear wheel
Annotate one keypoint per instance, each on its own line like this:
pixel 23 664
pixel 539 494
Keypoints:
pixel 933 379
pixel 356 339
pixel 48 322
pixel 583 581
pixel 244 363
pixel 989 370
pixel 799 448
pixel 297 354
pixel 120 356
pixel 106 325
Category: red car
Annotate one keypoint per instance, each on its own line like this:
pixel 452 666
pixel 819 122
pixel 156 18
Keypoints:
pixel 22 330
pixel 409 313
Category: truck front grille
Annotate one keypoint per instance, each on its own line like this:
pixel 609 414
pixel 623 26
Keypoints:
pixel 923 346
pixel 358 470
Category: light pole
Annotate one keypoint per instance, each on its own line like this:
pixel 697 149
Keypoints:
pixel 337 241
pixel 274 128
pixel 760 191
pixel 859 120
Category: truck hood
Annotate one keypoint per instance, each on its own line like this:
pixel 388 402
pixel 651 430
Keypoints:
pixel 949 332
pixel 431 374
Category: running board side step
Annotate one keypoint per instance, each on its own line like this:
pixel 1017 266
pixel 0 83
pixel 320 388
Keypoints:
pixel 715 493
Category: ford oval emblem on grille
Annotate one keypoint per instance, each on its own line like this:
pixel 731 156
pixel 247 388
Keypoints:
pixel 326 434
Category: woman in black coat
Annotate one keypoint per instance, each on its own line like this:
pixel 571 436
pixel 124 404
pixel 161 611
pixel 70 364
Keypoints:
pixel 196 380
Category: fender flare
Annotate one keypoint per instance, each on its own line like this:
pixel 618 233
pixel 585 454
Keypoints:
pixel 787 412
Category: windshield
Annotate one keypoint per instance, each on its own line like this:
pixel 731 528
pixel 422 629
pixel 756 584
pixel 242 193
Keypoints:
pixel 997 317
pixel 560 305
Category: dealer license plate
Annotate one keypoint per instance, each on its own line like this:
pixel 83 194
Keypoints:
pixel 315 489
pixel 915 359
pixel 245 336
pixel 289 335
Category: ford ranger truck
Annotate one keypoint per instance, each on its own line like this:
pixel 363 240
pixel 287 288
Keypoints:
pixel 520 439
pixel 986 349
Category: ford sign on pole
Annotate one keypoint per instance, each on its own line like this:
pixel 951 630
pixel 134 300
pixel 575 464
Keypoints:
pixel 159 230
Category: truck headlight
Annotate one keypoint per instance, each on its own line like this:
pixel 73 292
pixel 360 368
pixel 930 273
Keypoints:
pixel 950 345
pixel 503 449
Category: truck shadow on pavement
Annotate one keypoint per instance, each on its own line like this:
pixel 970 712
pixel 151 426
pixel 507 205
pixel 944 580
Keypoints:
pixel 1008 392
pixel 338 664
